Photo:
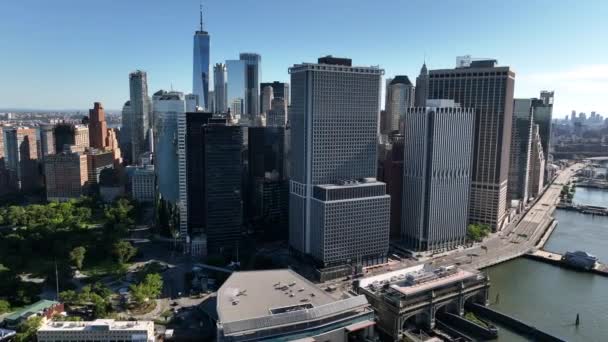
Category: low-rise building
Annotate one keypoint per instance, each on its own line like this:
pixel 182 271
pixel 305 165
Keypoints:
pixel 43 308
pixel 411 297
pixel 280 305
pixel 143 183
pixel 98 330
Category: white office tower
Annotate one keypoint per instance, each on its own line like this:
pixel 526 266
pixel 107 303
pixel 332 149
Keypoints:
pixel 219 84
pixel 267 96
pixel 141 113
pixel 191 103
pixel 437 175
pixel 338 211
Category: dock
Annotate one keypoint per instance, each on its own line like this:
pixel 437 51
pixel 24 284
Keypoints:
pixel 556 259
pixel 585 209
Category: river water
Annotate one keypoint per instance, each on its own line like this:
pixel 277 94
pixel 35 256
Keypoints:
pixel 549 297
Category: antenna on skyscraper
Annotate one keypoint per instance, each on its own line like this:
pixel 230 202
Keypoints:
pixel 201 15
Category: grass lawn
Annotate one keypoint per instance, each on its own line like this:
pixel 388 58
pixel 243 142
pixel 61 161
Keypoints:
pixel 104 268
pixel 143 309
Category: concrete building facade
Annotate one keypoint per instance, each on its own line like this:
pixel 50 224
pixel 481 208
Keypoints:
pixel 399 98
pixel 98 330
pixel 437 175
pixel 98 129
pixel 66 175
pixel 487 89
pixel 140 113
pixel 338 212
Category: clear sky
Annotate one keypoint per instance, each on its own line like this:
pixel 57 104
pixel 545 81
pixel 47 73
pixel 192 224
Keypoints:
pixel 57 54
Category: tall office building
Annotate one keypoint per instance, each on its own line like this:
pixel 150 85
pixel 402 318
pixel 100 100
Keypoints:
pixel 267 96
pixel 125 131
pixel 422 87
pixel 279 90
pixel 338 212
pixel 267 205
pixel 190 169
pixel 236 87
pixel 399 98
pixel 543 117
pixel 167 109
pixel 200 67
pixel 98 130
pixel 487 89
pixel 437 175
pixel 140 110
pixel 21 148
pixel 253 74
pixel 537 164
pixel 6 184
pixel 222 184
pixel 219 82
pixel 46 140
pixel 277 115
pixel 66 175
pixel 521 143
pixel 391 172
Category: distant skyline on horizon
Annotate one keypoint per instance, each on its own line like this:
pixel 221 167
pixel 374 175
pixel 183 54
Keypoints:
pixel 68 54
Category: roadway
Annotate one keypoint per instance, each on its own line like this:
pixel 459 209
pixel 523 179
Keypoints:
pixel 518 237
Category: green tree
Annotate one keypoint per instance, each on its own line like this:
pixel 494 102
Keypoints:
pixel 27 329
pixel 77 256
pixel 150 288
pixel 476 232
pixel 69 297
pixel 4 306
pixel 124 251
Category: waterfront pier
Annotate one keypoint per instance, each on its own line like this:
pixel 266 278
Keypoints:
pixel 558 260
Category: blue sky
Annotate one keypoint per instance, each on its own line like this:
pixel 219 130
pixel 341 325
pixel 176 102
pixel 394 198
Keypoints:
pixel 69 53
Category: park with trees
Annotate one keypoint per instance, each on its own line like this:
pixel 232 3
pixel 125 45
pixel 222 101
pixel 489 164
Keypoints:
pixel 41 240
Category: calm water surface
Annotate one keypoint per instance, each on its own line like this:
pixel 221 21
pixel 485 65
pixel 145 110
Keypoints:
pixel 549 297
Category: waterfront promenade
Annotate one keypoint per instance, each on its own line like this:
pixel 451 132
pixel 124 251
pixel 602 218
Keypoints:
pixel 519 237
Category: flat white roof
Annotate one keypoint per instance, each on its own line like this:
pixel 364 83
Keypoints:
pixel 425 286
pixel 108 324
pixel 253 294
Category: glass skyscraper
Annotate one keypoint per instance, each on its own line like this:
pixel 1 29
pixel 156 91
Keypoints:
pixel 200 69
pixel 253 74
pixel 236 87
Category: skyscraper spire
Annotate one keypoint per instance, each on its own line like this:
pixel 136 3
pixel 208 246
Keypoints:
pixel 201 15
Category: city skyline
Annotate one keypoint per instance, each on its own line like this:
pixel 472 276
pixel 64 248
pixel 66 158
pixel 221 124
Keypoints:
pixel 559 62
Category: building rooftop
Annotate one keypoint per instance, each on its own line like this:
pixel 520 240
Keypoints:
pixel 31 309
pixel 401 79
pixel 100 324
pixel 416 279
pixel 254 294
pixel 351 183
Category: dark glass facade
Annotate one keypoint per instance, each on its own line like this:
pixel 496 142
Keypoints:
pixel 222 184
pixel 194 169
pixel 267 207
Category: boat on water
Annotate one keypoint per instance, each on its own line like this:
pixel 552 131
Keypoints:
pixel 580 259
